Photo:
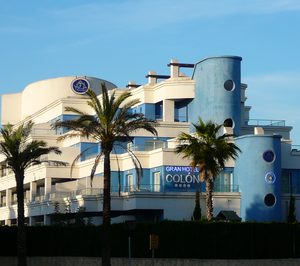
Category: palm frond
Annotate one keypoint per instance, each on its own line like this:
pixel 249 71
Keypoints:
pixel 19 151
pixel 119 173
pixel 206 149
pixel 94 168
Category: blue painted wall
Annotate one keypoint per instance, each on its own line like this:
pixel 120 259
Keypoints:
pixel 148 109
pixel 251 170
pixel 172 179
pixel 88 150
pixel 212 101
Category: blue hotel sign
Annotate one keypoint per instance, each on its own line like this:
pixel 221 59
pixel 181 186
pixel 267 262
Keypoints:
pixel 80 85
pixel 181 178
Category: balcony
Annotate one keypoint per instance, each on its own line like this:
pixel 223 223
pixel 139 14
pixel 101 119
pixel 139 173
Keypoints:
pixel 180 118
pixel 125 190
pixel 265 122
pixel 149 145
pixel 43 132
pixel 226 188
pixel 295 150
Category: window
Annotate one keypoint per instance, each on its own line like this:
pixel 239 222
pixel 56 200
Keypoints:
pixel 228 123
pixel 224 182
pixel 269 156
pixel 2 170
pixel 286 182
pixel 130 187
pixel 181 111
pixel 156 182
pixel 270 200
pixel 229 85
pixel 159 110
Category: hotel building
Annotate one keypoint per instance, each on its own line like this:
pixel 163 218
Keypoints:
pixel 257 186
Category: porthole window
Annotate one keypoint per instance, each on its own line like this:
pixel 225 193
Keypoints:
pixel 270 200
pixel 269 156
pixel 228 123
pixel 229 85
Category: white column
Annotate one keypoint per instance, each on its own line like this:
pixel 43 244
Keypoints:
pixel 33 188
pixel 174 69
pixel 168 110
pixel 48 186
pixel 8 197
pixel 31 220
pixel 8 222
pixel 47 220
pixel 152 80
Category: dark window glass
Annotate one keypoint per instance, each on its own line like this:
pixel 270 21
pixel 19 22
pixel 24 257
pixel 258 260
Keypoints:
pixel 229 85
pixel 159 110
pixel 269 156
pixel 228 123
pixel 270 200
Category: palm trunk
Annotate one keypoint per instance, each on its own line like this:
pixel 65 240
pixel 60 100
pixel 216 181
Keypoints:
pixel 209 203
pixel 21 239
pixel 106 211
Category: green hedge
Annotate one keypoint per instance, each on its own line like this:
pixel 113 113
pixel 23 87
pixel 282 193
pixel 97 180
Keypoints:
pixel 176 240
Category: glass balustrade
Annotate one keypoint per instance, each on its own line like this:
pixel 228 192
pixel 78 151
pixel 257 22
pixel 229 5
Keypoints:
pixel 265 122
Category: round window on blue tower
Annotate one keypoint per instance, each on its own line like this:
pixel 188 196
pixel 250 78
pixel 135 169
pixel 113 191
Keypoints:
pixel 269 156
pixel 270 200
pixel 228 123
pixel 229 85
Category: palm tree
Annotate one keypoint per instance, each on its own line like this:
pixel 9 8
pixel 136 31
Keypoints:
pixel 113 122
pixel 20 153
pixel 208 151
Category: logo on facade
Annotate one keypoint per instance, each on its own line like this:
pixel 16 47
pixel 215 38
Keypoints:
pixel 80 85
pixel 270 178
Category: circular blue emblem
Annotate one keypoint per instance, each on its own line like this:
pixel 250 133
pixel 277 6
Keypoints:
pixel 270 178
pixel 80 85
pixel 269 156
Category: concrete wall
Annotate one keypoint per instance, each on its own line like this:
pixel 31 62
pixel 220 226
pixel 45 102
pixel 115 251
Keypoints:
pixel 43 92
pixel 80 261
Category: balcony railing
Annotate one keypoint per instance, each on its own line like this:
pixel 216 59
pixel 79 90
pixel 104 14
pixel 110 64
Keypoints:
pixel 180 118
pixel 149 146
pixel 160 188
pixel 43 131
pixel 296 148
pixel 226 188
pixel 265 122
pixel 132 189
pixel 73 194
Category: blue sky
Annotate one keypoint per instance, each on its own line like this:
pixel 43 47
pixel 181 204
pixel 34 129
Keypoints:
pixel 122 40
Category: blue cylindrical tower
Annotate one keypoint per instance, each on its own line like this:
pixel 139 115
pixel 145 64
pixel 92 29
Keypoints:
pixel 217 91
pixel 258 171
